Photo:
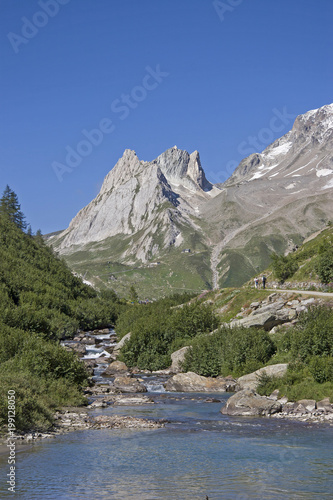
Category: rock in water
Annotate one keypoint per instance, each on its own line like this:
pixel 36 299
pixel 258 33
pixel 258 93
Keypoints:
pixel 249 403
pixel 116 367
pixel 191 382
pixel 128 384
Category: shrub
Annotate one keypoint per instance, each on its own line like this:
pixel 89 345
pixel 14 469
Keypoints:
pixel 321 369
pixel 313 335
pixel 235 351
pixel 284 267
pixel 324 266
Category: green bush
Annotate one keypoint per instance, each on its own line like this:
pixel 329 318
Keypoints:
pixel 284 267
pixel 235 351
pixel 321 368
pixel 313 335
pixel 158 330
pixel 324 266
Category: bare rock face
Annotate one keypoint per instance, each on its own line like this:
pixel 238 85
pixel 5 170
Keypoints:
pixel 191 382
pixel 250 381
pixel 131 198
pixel 248 403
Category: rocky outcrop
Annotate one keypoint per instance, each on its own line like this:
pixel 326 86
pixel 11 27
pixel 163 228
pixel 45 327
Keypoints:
pixel 251 380
pixel 191 382
pixel 177 358
pixel 248 403
pixel 274 312
pixel 267 315
pixel 128 384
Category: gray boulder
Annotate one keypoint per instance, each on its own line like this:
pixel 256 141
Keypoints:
pixel 177 358
pixel 128 384
pixel 116 350
pixel 251 381
pixel 116 367
pixel 192 382
pixel 248 403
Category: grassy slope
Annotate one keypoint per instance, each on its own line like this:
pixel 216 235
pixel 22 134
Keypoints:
pixel 103 264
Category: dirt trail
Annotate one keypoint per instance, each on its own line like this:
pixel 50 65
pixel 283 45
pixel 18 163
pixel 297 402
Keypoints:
pixel 303 292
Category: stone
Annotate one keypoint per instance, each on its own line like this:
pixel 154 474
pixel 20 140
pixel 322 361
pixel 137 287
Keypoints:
pixel 192 382
pixel 78 348
pixel 98 404
pixel 116 350
pixel 128 384
pixel 308 301
pixel 102 360
pixel 88 341
pixel 132 399
pixel 114 368
pixel 177 358
pixel 275 395
pixel 251 380
pixel 308 404
pixel 248 403
pixel 124 422
pixel 90 365
pixel 324 404
pixel 266 317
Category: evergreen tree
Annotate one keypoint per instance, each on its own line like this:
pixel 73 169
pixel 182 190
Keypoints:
pixel 10 207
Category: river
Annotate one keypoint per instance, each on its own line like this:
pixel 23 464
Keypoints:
pixel 198 453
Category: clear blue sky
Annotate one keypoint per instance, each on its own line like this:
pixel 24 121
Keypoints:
pixel 74 65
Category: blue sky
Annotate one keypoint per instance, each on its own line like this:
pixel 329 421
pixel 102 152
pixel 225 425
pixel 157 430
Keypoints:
pixel 148 75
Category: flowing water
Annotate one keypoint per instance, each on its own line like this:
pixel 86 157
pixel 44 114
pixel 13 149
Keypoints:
pixel 199 452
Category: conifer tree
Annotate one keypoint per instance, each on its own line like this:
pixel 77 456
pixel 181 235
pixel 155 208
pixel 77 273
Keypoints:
pixel 10 207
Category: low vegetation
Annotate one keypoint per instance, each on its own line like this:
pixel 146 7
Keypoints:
pixel 161 328
pixel 41 302
pixel 312 261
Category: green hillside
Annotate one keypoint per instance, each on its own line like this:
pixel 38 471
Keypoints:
pixel 41 302
pixel 312 262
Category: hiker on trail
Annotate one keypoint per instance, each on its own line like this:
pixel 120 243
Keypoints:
pixel 264 281
pixel 256 282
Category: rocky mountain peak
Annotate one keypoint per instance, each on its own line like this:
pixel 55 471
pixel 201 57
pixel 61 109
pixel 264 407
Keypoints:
pixel 183 169
pixel 304 150
pixel 125 169
pixel 316 124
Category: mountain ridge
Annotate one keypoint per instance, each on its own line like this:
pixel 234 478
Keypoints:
pixel 156 210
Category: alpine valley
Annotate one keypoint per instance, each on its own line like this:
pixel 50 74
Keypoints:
pixel 162 225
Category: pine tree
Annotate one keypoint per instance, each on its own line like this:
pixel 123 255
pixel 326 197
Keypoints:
pixel 10 207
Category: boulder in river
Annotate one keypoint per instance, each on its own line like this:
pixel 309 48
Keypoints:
pixel 192 382
pixel 248 403
pixel 116 367
pixel 128 384
pixel 77 347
